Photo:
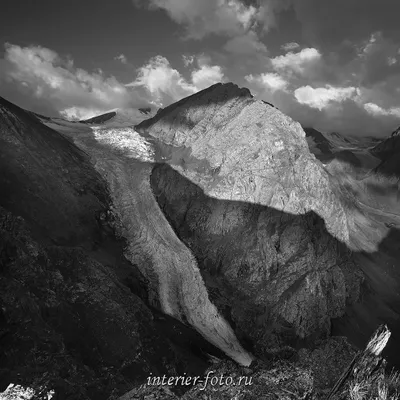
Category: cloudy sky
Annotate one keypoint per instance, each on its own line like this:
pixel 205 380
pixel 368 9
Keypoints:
pixel 332 65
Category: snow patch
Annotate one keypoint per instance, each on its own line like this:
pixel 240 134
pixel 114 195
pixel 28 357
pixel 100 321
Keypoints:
pixel 18 392
pixel 127 140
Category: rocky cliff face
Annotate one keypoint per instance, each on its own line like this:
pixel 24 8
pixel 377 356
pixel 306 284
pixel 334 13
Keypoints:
pixel 241 189
pixel 388 151
pixel 388 146
pixel 318 144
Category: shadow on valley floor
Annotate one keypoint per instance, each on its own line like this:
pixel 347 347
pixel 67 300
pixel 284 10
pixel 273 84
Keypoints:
pixel 380 298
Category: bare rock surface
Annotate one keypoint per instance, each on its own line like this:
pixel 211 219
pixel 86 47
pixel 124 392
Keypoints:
pixel 237 148
pixel 173 279
pixel 241 189
pixel 389 145
pixel 388 150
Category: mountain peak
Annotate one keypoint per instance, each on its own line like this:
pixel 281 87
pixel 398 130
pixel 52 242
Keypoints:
pixel 99 119
pixel 396 132
pixel 217 94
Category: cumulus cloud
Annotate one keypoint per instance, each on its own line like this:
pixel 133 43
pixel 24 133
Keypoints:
pixel 296 62
pixel 122 58
pixel 206 76
pixel 321 97
pixel 166 84
pixel 46 80
pixel 188 59
pixel 290 46
pixel 376 110
pixel 269 81
pixel 162 81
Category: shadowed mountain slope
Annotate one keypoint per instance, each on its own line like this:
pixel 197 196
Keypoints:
pixel 72 316
pixel 389 152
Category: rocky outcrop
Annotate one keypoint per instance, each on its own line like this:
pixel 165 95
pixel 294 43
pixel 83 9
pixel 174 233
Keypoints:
pixel 388 146
pixel 99 119
pixel 241 189
pixel 318 144
pixel 388 151
pixel 68 324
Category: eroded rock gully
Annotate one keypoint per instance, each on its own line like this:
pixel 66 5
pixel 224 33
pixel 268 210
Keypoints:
pixel 169 266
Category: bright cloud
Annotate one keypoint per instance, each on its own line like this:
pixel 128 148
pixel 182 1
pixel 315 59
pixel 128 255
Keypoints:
pixel 290 46
pixel 41 73
pixel 296 62
pixel 321 97
pixel 376 110
pixel 269 81
pixel 122 58
pixel 188 60
pixel 166 84
pixel 206 76
pixel 160 79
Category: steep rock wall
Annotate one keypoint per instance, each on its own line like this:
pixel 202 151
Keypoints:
pixel 278 277
pixel 242 190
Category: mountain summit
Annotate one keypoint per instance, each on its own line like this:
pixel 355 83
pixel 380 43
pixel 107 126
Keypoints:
pixel 239 186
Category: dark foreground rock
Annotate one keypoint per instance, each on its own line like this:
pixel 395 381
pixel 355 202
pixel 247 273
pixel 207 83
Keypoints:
pixel 332 370
pixel 72 318
pixel 68 324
